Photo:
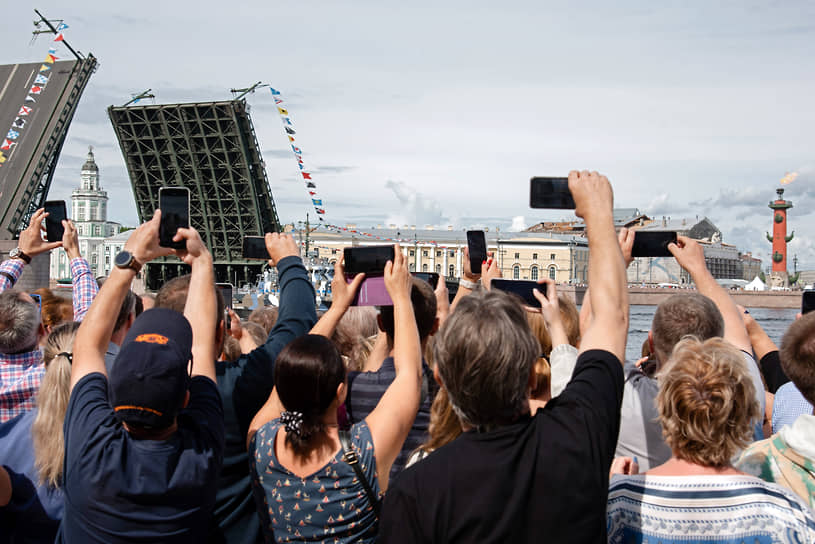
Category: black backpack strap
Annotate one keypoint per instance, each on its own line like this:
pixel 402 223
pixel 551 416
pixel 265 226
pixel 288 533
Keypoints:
pixel 351 458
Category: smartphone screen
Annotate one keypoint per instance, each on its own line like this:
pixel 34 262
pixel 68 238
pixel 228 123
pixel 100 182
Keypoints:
pixel 477 246
pixel 430 277
pixel 551 193
pixel 254 247
pixel 652 243
pixel 53 223
pixel 369 260
pixel 226 292
pixel 520 288
pixel 174 203
pixel 807 301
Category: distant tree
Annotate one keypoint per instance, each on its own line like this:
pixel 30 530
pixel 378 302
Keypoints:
pixel 762 277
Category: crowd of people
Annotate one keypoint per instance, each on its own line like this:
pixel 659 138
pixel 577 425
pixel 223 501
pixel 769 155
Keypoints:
pixel 167 418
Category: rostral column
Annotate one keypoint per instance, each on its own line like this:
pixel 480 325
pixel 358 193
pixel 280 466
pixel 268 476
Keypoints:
pixel 780 276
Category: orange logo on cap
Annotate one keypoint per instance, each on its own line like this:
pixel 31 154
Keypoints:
pixel 151 339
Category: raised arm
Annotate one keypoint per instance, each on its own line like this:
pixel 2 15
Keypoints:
pixel 342 295
pixel 201 306
pixel 30 245
pixel 691 256
pixel 84 284
pixel 609 297
pixel 94 334
pixel 393 417
pixel 766 352
pixel 469 278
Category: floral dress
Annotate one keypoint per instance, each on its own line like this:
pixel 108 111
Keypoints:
pixel 328 506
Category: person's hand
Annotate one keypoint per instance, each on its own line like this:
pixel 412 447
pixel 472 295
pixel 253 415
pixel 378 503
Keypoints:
pixel 31 242
pixel 70 240
pixel 626 241
pixel 195 251
pixel 746 317
pixel 280 246
pixel 492 271
pixel 466 272
pixel 143 244
pixel 342 292
pixel 398 280
pixel 550 305
pixel 689 254
pixel 624 465
pixel 591 192
pixel 442 299
pixel 235 329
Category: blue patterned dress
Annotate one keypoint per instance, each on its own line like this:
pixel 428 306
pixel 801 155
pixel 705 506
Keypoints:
pixel 328 506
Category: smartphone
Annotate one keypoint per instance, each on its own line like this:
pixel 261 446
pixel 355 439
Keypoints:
pixel 652 243
pixel 54 230
pixel 369 260
pixel 551 193
pixel 430 277
pixel 477 246
pixel 520 288
pixel 254 247
pixel 807 301
pixel 174 203
pixel 371 292
pixel 452 289
pixel 226 292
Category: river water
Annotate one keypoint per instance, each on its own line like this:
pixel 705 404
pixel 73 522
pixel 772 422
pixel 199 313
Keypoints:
pixel 773 321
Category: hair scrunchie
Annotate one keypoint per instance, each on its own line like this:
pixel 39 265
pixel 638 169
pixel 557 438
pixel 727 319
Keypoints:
pixel 292 421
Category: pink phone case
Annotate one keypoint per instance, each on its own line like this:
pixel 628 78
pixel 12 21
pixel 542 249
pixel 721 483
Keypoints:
pixel 372 292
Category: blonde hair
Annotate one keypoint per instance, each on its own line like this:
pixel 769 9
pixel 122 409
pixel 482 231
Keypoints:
pixel 52 402
pixel 444 423
pixel 571 323
pixel 707 402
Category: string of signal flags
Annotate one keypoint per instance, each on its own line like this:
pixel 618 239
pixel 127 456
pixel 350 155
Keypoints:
pixel 38 85
pixel 311 185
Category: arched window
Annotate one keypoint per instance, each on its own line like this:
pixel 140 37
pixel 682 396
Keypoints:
pixel 516 272
pixel 438 269
pixel 552 272
pixel 412 267
pixel 452 271
pixel 533 273
pixel 424 267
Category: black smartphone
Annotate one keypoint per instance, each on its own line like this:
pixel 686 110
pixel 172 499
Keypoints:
pixel 551 193
pixel 477 246
pixel 254 247
pixel 452 289
pixel 652 243
pixel 430 277
pixel 807 301
pixel 369 260
pixel 520 288
pixel 174 203
pixel 226 292
pixel 54 231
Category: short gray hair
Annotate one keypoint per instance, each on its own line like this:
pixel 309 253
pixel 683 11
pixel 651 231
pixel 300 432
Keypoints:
pixel 485 352
pixel 19 323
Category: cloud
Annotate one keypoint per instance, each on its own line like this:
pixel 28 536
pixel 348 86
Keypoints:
pixel 518 223
pixel 332 169
pixel 416 208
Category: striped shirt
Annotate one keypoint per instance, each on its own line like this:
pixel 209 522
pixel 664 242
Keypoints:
pixel 725 509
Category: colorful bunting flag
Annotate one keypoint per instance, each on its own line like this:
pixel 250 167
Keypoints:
pixel 25 110
pixel 312 193
pixel 320 211
pixel 277 101
pixel 2 158
pixel 274 91
pixel 286 120
pixel 52 51
pixel 29 98
pixel 12 135
pixel 317 201
pixel 306 175
pixel 18 123
pixel 36 89
pixel 283 111
pixel 311 185
pixel 44 68
pixel 290 130
pixel 59 38
pixel 296 150
pixel 301 165
pixel 291 139
pixel 61 27
pixel 50 59
pixel 41 80
pixel 6 144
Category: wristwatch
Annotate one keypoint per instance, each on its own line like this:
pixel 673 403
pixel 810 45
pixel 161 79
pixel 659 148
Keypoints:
pixel 124 259
pixel 17 253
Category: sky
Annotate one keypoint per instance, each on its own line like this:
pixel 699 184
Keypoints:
pixel 438 113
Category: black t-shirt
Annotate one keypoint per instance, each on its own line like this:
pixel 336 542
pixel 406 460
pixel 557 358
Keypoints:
pixel 541 479
pixel 119 489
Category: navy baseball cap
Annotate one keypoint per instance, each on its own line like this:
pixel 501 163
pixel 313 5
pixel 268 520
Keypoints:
pixel 150 376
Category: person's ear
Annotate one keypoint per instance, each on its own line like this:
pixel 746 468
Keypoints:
pixel 436 375
pixel 379 322
pixel 342 392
